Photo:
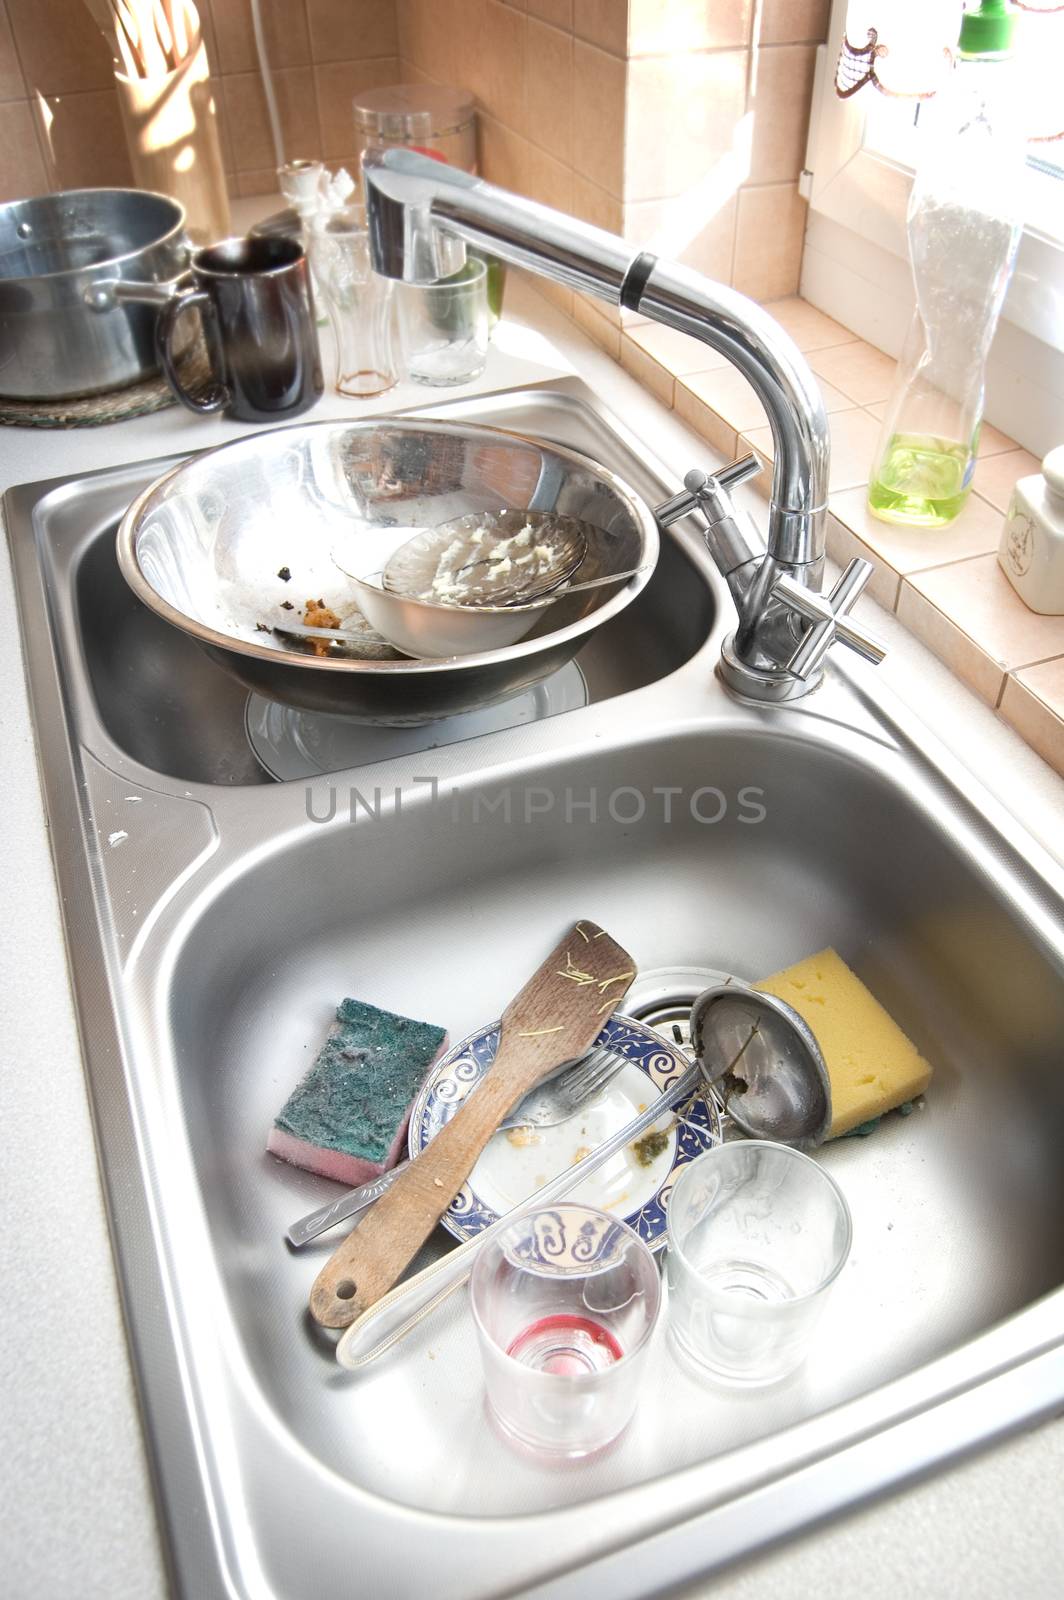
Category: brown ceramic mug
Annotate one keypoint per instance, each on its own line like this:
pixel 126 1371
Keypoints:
pixel 254 298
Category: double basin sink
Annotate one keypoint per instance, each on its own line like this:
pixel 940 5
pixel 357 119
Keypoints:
pixel 214 917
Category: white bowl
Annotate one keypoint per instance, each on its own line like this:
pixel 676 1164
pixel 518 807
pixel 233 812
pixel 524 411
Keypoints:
pixel 425 629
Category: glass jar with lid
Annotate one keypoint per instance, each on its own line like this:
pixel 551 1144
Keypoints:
pixel 433 120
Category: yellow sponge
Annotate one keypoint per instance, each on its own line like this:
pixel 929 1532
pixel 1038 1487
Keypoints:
pixel 873 1067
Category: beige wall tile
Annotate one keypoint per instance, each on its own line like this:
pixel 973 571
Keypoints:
pixel 727 393
pixel 284 24
pixel 22 170
pixel 249 126
pixel 594 205
pixel 759 440
pixel 843 546
pixel 781 112
pixel 979 599
pixel 1033 703
pixel 501 82
pixel 413 21
pixel 560 12
pixel 650 373
pixel 547 180
pixel 705 421
pixel 679 352
pixel 602 22
pixel 976 532
pixel 61 48
pixel 598 117
pixel 768 241
pixel 996 476
pixel 246 184
pixel 809 328
pixel 444 39
pixel 660 27
pixel 88 142
pixel 605 333
pixel 858 369
pixel 504 154
pixel 336 84
pixel 549 89
pixel 785 21
pixel 673 228
pixel 11 84
pixel 853 439
pixel 971 663
pixel 684 119
pixel 733 398
pixel 556 293
pixel 352 30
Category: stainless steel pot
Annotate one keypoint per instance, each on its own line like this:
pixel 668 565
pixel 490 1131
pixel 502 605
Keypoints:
pixel 234 542
pixel 66 263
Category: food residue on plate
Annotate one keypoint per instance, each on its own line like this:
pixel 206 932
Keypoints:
pixel 580 1153
pixel 520 1137
pixel 647 1149
pixel 285 574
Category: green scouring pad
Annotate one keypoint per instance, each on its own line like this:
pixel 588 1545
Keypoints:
pixel 347 1118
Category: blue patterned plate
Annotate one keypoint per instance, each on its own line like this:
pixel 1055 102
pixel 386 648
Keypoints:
pixel 516 1164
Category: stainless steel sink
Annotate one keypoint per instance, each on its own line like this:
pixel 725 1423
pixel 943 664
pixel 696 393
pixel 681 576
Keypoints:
pixel 214 919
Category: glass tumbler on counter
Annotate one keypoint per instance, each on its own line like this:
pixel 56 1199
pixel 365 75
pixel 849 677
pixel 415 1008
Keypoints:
pixel 757 1234
pixel 359 302
pixel 443 327
pixel 565 1301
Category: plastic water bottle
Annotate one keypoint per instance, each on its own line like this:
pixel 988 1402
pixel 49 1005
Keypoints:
pixel 965 220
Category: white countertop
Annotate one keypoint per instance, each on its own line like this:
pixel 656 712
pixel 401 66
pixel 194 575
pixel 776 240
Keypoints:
pixel 78 1518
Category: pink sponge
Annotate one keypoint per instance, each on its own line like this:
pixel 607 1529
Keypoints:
pixel 347 1118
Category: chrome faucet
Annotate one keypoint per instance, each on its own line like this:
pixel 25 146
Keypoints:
pixel 421 214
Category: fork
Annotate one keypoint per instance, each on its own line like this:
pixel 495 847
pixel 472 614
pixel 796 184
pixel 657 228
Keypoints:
pixel 551 1103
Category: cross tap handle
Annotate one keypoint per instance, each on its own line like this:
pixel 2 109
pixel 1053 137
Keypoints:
pixel 829 619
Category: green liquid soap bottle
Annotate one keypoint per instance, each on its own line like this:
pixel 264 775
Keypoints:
pixel 964 222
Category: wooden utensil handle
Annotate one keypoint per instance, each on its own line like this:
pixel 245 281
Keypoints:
pixel 373 1256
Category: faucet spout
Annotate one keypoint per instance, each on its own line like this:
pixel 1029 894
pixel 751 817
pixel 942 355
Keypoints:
pixel 421 214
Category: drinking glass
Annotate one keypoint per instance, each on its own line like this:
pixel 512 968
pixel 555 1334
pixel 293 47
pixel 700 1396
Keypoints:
pixel 443 327
pixel 565 1301
pixel 757 1234
pixel 359 303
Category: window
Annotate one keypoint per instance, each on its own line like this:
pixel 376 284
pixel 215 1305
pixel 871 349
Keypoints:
pixel 862 152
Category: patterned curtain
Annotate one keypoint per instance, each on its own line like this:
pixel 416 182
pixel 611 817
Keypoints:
pixel 905 48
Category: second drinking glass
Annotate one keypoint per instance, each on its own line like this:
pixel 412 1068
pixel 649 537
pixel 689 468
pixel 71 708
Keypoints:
pixel 359 302
pixel 444 327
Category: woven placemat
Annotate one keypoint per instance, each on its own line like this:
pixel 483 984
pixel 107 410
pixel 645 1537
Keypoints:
pixel 136 400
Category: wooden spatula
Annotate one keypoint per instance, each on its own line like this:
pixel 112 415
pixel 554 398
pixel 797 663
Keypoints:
pixel 555 1019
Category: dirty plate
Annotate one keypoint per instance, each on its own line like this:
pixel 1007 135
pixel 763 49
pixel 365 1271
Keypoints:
pixel 515 1164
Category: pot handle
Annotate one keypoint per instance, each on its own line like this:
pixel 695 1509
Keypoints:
pixel 214 395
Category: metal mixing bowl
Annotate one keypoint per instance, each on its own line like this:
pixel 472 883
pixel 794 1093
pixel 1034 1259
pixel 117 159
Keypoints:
pixel 207 546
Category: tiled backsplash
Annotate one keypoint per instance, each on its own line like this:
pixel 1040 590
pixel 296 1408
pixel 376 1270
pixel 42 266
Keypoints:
pixel 59 120
pixel 665 120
